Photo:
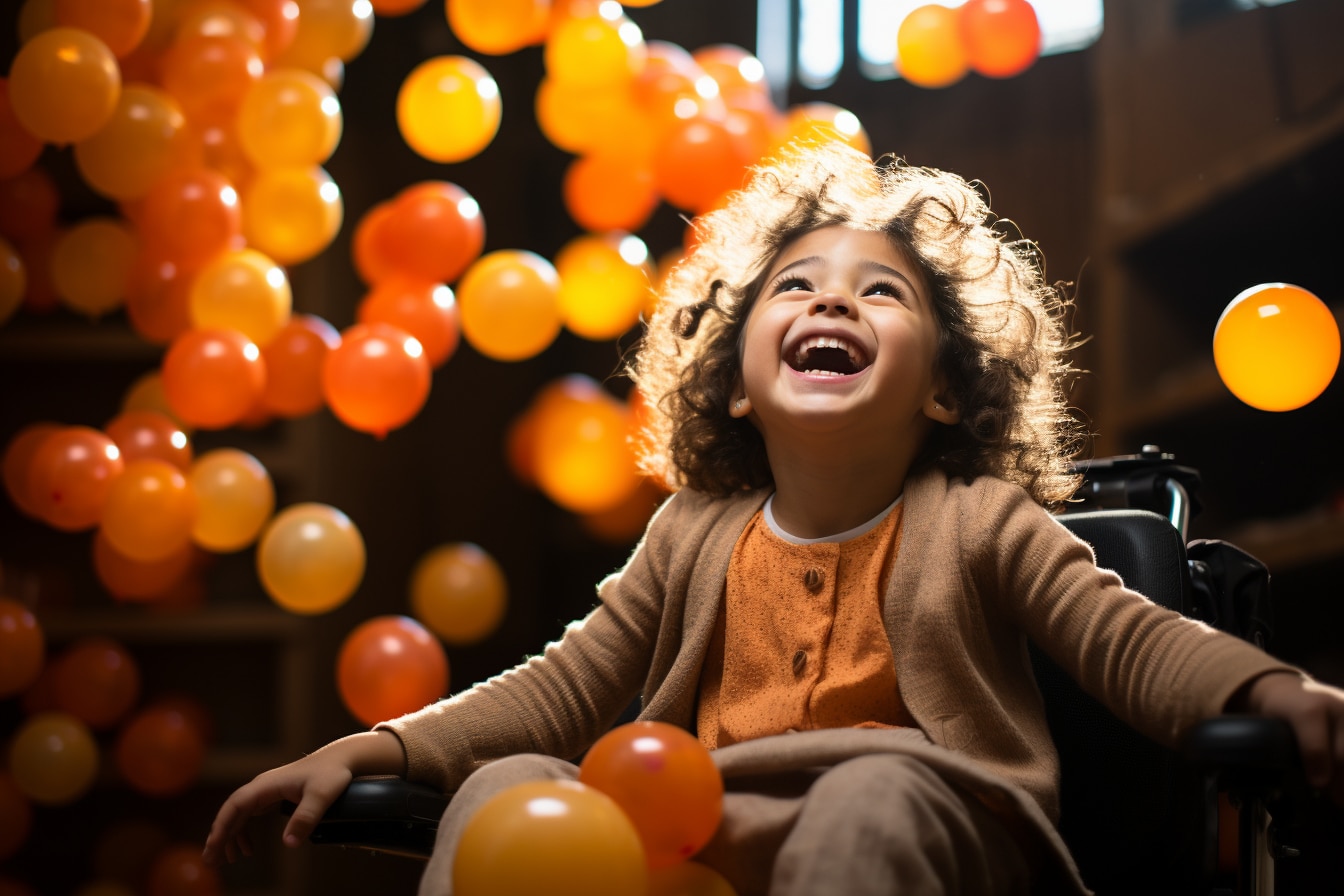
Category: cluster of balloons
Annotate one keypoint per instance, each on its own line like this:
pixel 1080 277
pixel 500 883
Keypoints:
pixel 647 799
pixel 138 859
pixel 1276 346
pixel 937 45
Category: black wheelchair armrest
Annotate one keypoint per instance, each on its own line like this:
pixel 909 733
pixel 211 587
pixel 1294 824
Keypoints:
pixel 1245 751
pixel 382 814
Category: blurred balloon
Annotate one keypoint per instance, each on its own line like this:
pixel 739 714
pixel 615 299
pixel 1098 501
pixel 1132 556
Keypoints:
pixel 395 7
pixel 377 379
pixel 159 751
pixel 607 192
pixel 292 214
pixel 583 460
pixel 29 203
pixel 71 475
pixel 672 87
pixel 145 432
pixel 1276 346
pixel 179 870
pixel 930 51
pixel 18 461
pixel 24 648
pixel 209 74
pixel 498 27
pixel 623 523
pixel 294 358
pixel 459 592
pixel 150 511
pixel 289 118
pixel 139 581
pixel 279 20
pixel 63 85
pixel 369 251
pixel 147 393
pixel 53 758
pixel 590 118
pixel 593 46
pixel 432 231
pixel 235 499
pixel 509 304
pixel 16 816
pixel 189 216
pixel 13 280
pixel 733 68
pixel 665 780
pixel 310 558
pixel 158 298
pixel 35 16
pixel 96 680
pixel 1002 37
pixel 809 123
pixel 562 838
pixel 689 879
pixel 698 161
pixel 144 139
pixel 331 28
pixel 125 847
pixel 389 666
pixel 425 310
pixel 448 109
pixel 218 17
pixel 120 24
pixel 604 280
pixel 213 378
pixel 243 290
pixel 19 149
pixel 91 264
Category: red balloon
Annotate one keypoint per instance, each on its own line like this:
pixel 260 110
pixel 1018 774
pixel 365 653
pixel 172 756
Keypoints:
pixel 133 580
pixel 189 216
pixel 699 160
pixel 18 148
pixel 179 870
pixel 71 474
pixel 18 462
pixel 433 232
pixel 23 648
pixel 158 298
pixel 213 378
pixel 29 202
pixel 160 751
pixel 96 680
pixel 377 379
pixel 294 359
pixel 665 780
pixel 372 263
pixel 143 433
pixel 389 666
pixel 426 310
pixel 1002 37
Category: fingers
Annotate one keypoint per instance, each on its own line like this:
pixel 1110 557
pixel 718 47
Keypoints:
pixel 309 811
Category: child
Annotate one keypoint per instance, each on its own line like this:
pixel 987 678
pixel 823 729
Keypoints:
pixel 859 406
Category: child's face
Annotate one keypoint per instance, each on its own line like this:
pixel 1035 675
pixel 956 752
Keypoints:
pixel 842 339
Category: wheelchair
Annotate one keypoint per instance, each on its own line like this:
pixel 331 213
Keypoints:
pixel 1209 819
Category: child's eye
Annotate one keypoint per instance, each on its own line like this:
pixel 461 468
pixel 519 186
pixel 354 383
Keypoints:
pixel 792 284
pixel 883 288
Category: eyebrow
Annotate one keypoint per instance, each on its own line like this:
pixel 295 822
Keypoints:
pixel 868 265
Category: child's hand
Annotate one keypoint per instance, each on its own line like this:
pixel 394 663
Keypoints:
pixel 312 783
pixel 1316 713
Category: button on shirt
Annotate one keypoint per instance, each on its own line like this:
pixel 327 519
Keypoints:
pixel 800 642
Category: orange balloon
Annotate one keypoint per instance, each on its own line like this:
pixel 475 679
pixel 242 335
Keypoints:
pixel 368 249
pixel 18 460
pixel 310 558
pixel 583 460
pixel 96 680
pixel 389 666
pixel 426 310
pixel 24 648
pixel 562 838
pixel 140 581
pixel 1002 37
pixel 71 476
pixel 146 393
pixel 665 780
pixel 459 592
pixel 622 524
pixel 292 214
pixel 294 360
pixel 689 879
pixel 159 751
pixel 179 870
pixel 698 161
pixel 377 379
pixel 930 50
pixel 158 298
pixel 16 816
pixel 808 123
pixel 448 109
pixel 673 87
pixel 243 290
pixel 433 231
pixel 91 264
pixel 63 85
pixel 279 20
pixel 145 433
pixel 150 511
pixel 1276 346
pixel 733 68
pixel 19 149
pixel 235 499
pixel 339 29
pixel 591 48
pixel 498 27
pixel 509 304
pixel 209 74
pixel 29 203
pixel 213 378
pixel 121 24
pixel 289 118
pixel 604 283
pixel 53 758
pixel 145 138
pixel 588 118
pixel 189 216
pixel 607 192
pixel 225 17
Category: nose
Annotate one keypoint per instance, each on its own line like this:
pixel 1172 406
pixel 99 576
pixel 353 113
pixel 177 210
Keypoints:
pixel 829 302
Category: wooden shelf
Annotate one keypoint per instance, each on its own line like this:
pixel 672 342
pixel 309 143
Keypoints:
pixel 212 624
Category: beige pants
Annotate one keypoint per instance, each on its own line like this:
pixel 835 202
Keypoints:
pixel 876 824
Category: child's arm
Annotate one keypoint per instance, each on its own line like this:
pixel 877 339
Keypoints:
pixel 312 783
pixel 1316 713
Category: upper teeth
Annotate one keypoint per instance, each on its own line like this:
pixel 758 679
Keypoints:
pixel 855 355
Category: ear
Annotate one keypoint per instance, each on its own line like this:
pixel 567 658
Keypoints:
pixel 739 405
pixel 940 408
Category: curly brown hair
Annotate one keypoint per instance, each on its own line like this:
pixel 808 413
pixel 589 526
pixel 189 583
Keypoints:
pixel 1003 342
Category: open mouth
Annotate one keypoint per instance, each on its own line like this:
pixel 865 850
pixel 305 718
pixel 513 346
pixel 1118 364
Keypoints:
pixel 827 356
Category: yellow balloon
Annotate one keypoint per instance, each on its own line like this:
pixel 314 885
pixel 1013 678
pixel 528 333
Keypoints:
pixel 497 27
pixel 146 136
pixel 508 302
pixel 243 290
pixel 64 85
pixel 91 264
pixel 53 758
pixel 595 47
pixel 581 118
pixel 930 51
pixel 604 283
pixel 310 558
pixel 810 123
pixel 459 592
pixel 289 118
pixel 13 280
pixel 1276 346
pixel 339 29
pixel 582 456
pixel 448 109
pixel 235 499
pixel 291 214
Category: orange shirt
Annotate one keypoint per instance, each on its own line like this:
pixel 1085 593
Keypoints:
pixel 800 642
